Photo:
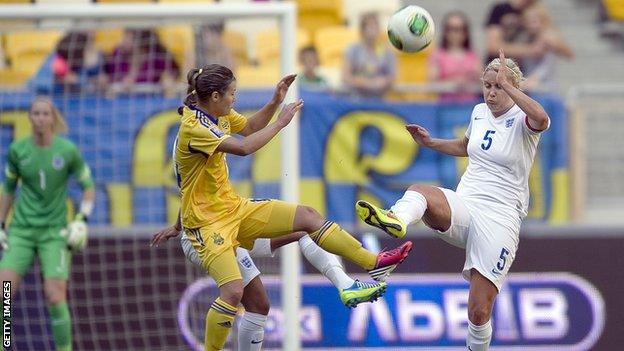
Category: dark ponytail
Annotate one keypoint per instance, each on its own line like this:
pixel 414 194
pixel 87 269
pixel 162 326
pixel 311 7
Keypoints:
pixel 202 82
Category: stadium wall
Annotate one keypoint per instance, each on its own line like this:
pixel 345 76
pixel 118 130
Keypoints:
pixel 561 295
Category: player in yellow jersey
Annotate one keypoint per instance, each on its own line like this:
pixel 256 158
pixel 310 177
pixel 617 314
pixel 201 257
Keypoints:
pixel 218 220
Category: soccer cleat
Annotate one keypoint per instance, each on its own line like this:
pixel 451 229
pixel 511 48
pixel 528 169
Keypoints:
pixel 362 292
pixel 380 218
pixel 387 261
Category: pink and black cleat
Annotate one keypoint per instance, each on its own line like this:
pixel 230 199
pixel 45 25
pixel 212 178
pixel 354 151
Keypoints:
pixel 387 261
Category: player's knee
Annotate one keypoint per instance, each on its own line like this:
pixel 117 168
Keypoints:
pixel 479 314
pixel 259 306
pixel 418 188
pixel 232 295
pixel 310 219
pixel 55 293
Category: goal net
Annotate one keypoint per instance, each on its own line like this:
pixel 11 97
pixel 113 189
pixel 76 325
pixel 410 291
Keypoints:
pixel 117 73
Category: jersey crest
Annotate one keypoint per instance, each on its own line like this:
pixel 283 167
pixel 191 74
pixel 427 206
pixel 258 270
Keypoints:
pixel 58 162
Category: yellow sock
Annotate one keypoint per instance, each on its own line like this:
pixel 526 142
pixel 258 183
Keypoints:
pixel 334 239
pixel 219 322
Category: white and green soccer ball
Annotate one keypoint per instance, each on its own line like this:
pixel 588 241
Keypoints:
pixel 411 29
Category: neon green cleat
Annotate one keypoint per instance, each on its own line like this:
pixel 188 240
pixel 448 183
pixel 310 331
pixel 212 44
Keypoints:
pixel 380 218
pixel 362 292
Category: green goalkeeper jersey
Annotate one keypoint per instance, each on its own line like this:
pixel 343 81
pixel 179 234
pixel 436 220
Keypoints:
pixel 44 174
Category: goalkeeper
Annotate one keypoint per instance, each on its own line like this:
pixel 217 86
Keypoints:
pixel 44 162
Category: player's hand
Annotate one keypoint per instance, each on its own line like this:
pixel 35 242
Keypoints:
pixel 282 88
pixel 419 134
pixel 76 234
pixel 288 112
pixel 4 239
pixel 503 71
pixel 164 235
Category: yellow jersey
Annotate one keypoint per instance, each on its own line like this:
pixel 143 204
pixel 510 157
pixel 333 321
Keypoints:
pixel 202 173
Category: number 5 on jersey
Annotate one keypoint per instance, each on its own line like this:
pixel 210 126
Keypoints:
pixel 488 139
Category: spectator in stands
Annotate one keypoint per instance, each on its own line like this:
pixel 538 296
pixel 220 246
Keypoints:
pixel 211 48
pixel 455 62
pixel 504 31
pixel 310 78
pixel 141 61
pixel 369 66
pixel 541 71
pixel 77 65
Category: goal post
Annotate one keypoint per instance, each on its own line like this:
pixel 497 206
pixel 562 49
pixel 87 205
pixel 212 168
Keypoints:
pixel 79 16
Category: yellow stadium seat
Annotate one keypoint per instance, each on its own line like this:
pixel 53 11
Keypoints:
pixel 315 14
pixel 249 76
pixel 107 39
pixel 27 50
pixel 122 1
pixel 185 1
pixel 412 67
pixel 12 78
pixel 615 9
pixel 238 44
pixel 331 43
pixel 268 45
pixel 178 40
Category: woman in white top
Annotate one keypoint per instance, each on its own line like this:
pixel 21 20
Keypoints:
pixel 483 216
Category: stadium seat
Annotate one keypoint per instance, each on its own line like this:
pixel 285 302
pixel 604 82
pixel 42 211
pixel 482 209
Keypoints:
pixel 185 1
pixel 268 45
pixel 412 68
pixel 615 9
pixel 11 78
pixel 250 76
pixel 122 1
pixel 331 43
pixel 178 40
pixel 107 39
pixel 316 14
pixel 27 50
pixel 238 44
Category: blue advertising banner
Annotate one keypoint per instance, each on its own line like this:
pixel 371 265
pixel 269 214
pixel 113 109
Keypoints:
pixel 534 311
pixel 350 149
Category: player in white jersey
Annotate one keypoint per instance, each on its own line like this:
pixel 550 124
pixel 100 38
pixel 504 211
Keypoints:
pixel 484 215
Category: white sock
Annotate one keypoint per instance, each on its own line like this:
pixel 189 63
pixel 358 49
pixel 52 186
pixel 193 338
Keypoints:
pixel 326 263
pixel 261 248
pixel 479 336
pixel 251 332
pixel 411 207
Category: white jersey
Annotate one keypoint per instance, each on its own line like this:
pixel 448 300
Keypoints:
pixel 500 155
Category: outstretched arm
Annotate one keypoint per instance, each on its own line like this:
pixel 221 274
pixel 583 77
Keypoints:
pixel 453 147
pixel 537 117
pixel 257 140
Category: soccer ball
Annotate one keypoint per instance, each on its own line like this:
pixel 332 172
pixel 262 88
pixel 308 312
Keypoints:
pixel 411 29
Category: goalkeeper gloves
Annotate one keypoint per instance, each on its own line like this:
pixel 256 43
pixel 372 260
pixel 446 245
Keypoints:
pixel 76 233
pixel 4 240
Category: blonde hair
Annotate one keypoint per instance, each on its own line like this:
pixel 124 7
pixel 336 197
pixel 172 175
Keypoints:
pixel 514 70
pixel 60 126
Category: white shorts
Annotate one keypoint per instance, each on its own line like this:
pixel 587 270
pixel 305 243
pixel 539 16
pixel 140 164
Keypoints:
pixel 489 234
pixel 246 265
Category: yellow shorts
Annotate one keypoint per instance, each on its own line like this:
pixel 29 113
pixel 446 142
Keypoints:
pixel 216 243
